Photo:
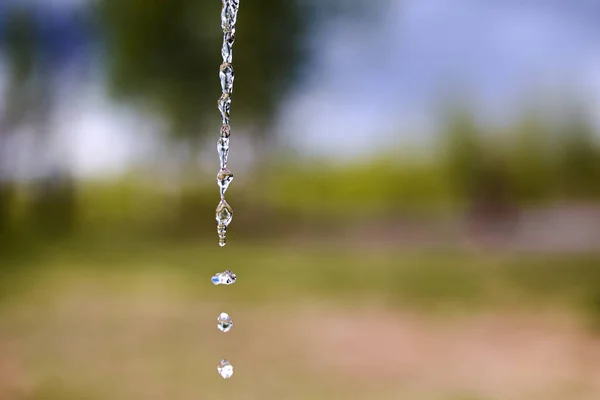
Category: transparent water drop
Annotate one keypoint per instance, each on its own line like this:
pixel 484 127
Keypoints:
pixel 225 369
pixel 224 278
pixel 224 105
pixel 227 76
pixel 224 322
pixel 229 14
pixel 224 213
pixel 225 131
pixel 222 232
pixel 223 150
pixel 227 48
pixel 224 178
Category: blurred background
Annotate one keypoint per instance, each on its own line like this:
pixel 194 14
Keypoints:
pixel 416 200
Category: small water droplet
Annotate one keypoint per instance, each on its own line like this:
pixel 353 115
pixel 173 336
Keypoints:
pixel 224 104
pixel 227 76
pixel 223 150
pixel 222 232
pixel 225 369
pixel 224 322
pixel 224 278
pixel 225 131
pixel 229 14
pixel 224 214
pixel 227 48
pixel 224 178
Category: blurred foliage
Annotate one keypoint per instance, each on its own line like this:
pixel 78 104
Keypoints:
pixel 367 189
pixel 462 152
pixel 166 54
pixel 526 166
pixel 579 169
pixel 531 161
pixel 18 43
pixel 430 280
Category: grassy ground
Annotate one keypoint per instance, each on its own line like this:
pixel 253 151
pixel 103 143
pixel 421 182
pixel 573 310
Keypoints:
pixel 123 320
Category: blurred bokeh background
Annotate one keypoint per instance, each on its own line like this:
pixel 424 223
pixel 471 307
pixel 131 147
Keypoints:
pixel 416 200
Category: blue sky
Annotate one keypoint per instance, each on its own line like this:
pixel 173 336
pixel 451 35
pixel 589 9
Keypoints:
pixel 381 82
pixel 390 76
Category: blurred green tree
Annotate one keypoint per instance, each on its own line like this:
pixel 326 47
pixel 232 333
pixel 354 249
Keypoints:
pixel 18 45
pixel 579 163
pixel 164 56
pixel 30 102
pixel 462 149
pixel 480 175
pixel 531 160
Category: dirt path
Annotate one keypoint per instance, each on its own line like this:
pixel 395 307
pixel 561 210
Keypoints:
pixel 155 345
pixel 489 356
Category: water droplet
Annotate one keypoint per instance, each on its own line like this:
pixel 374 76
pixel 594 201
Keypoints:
pixel 224 278
pixel 224 178
pixel 223 150
pixel 224 105
pixel 224 322
pixel 224 213
pixel 225 369
pixel 225 131
pixel 227 76
pixel 222 232
pixel 227 48
pixel 229 14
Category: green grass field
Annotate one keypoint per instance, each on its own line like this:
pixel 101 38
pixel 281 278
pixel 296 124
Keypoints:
pixel 124 320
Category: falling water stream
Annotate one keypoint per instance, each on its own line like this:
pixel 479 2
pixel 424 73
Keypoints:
pixel 224 177
pixel 224 212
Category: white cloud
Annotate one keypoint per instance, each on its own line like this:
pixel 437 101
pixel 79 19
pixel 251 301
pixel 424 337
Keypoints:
pixel 395 73
pixel 100 137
